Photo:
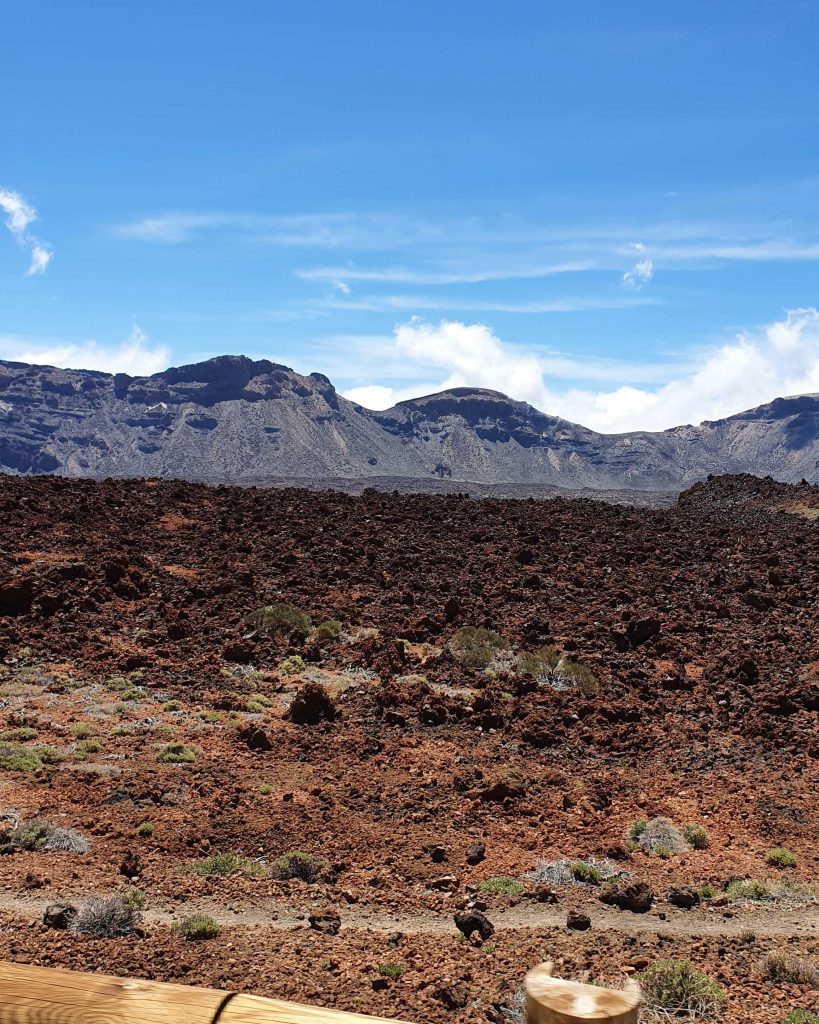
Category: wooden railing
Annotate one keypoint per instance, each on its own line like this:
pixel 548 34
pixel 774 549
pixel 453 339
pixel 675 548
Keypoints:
pixel 40 995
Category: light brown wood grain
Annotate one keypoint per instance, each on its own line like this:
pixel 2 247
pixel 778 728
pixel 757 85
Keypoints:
pixel 41 995
pixel 557 1001
pixel 256 1010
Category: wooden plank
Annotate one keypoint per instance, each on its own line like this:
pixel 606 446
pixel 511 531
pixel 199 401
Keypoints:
pixel 42 995
pixel 557 1001
pixel 256 1010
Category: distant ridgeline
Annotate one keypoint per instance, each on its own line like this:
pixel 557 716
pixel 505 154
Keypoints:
pixel 234 420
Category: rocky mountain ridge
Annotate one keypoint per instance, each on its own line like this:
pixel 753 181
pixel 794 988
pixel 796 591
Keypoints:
pixel 233 419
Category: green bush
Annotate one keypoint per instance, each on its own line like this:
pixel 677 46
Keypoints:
pixel 134 898
pixel 328 630
pixel 298 865
pixel 291 666
pixel 636 830
pixel 220 865
pixel 476 647
pixel 197 927
pixel 780 858
pixel 541 663
pixel 20 735
pixel 177 753
pixel 748 889
pixel 280 619
pixel 81 730
pixel 579 676
pixel 145 830
pixel 696 836
pixel 677 987
pixel 86 747
pixel 392 971
pixel 708 892
pixel 801 1017
pixel 27 759
pixel 265 789
pixel 502 885
pixel 586 873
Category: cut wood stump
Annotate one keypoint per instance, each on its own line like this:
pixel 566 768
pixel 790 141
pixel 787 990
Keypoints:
pixel 552 1000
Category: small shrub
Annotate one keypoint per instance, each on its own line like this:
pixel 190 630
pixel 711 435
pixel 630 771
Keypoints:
pixel 636 830
pixel 696 836
pixel 211 717
pixel 780 858
pixel 105 917
pixel 197 927
pixel 86 747
pixel 392 971
pixel 502 885
pixel 298 865
pixel 677 987
pixel 747 936
pixel 177 753
pixel 265 789
pixel 173 705
pixel 27 759
pixel 748 889
pixel 280 619
pixel 477 647
pixel 220 865
pixel 135 898
pixel 145 830
pixel 662 852
pixel 291 666
pixel 781 966
pixel 19 735
pixel 801 1017
pixel 586 873
pixel 542 663
pixel 660 834
pixel 81 730
pixel 579 677
pixel 328 630
pixel 707 892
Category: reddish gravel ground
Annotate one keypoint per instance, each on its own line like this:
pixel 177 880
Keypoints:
pixel 122 630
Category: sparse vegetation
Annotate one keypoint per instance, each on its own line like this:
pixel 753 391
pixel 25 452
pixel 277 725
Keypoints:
pixel 298 865
pixel 549 666
pixel 280 619
pixel 636 830
pixel 20 735
pixel 86 747
pixel 542 663
pixel 707 892
pixel 588 874
pixel 801 1017
pixel 748 889
pixel 135 898
pixel 696 836
pixel 578 677
pixel 27 759
pixel 782 966
pixel 678 988
pixel 328 630
pixel 780 858
pixel 220 865
pixel 477 647
pixel 81 730
pixel 661 837
pixel 197 927
pixel 177 753
pixel 265 789
pixel 501 885
pixel 390 970
pixel 145 830
pixel 291 666
pixel 105 917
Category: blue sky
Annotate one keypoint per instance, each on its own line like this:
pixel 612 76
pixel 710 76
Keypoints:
pixel 610 210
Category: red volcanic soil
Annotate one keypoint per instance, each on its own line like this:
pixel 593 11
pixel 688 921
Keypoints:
pixel 385 754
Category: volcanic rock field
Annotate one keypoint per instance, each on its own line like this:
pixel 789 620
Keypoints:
pixel 388 745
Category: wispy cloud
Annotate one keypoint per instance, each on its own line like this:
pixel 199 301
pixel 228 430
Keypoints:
pixel 19 216
pixel 409 303
pixel 781 358
pixel 135 355
pixel 641 273
pixel 408 275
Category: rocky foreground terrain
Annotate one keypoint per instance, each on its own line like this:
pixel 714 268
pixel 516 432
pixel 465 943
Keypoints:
pixel 236 420
pixel 380 808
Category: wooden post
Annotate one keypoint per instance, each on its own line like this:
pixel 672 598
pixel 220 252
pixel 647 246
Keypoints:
pixel 40 995
pixel 555 1001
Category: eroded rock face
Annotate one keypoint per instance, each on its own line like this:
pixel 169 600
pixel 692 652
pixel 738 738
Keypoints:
pixel 237 419
pixel 311 705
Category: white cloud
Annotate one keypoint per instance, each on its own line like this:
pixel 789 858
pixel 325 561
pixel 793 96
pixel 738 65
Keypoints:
pixel 445 303
pixel 755 367
pixel 135 355
pixel 641 273
pixel 408 275
pixel 19 215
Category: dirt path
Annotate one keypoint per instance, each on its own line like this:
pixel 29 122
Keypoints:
pixel 785 922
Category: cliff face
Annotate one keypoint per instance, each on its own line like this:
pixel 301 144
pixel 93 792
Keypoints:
pixel 231 419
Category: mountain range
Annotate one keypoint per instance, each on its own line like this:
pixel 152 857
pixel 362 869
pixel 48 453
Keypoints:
pixel 236 420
